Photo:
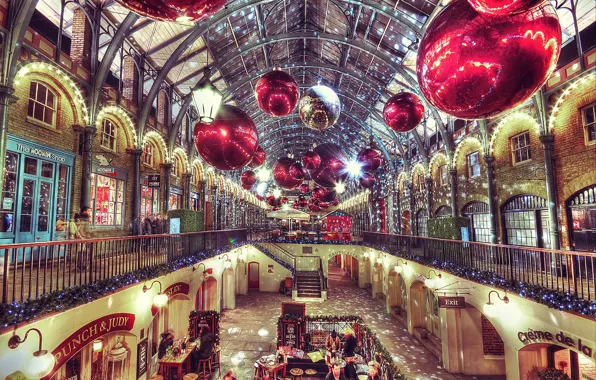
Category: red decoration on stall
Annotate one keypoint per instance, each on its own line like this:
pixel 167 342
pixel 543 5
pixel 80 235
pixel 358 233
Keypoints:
pixel 282 176
pixel 503 7
pixel 304 188
pixel 277 93
pixel 370 159
pixel 311 160
pixel 297 171
pixel 258 159
pixel 228 143
pixel 248 179
pixel 367 180
pixel 337 225
pixel 474 66
pixel 184 11
pixel 332 167
pixel 403 112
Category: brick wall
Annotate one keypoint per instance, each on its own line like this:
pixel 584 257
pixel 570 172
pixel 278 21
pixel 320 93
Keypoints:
pixel 491 341
pixel 130 79
pixel 162 106
pixel 80 48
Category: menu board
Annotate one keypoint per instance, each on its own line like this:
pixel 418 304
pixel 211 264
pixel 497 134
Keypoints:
pixel 142 357
pixel 290 332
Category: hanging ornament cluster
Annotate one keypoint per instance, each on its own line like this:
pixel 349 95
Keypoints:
pixel 304 188
pixel 476 66
pixel 228 143
pixel 282 176
pixel 277 93
pixel 403 112
pixel 332 169
pixel 367 180
pixel 319 107
pixel 297 171
pixel 370 159
pixel 184 11
pixel 311 160
pixel 258 159
pixel 248 179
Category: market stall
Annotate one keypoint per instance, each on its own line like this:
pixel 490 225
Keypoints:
pixel 337 225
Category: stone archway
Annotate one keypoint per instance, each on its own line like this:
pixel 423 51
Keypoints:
pixel 207 296
pixel 228 289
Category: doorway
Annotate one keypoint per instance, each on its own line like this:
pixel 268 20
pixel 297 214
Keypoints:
pixel 538 356
pixel 253 275
pixel 207 295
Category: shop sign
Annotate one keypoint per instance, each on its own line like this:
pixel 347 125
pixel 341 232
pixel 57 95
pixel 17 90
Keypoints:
pixel 87 334
pixel 536 336
pixel 106 170
pixel 153 180
pixel 142 357
pixel 40 153
pixel 306 250
pixel 290 334
pixel 452 302
pixel 172 290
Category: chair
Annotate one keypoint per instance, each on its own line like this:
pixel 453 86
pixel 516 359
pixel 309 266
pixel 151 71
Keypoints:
pixel 310 372
pixel 296 373
pixel 204 370
pixel 190 376
pixel 215 360
pixel 258 375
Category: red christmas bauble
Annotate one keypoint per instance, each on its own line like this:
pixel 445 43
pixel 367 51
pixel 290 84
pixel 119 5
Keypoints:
pixel 311 160
pixel 318 192
pixel 228 143
pixel 275 208
pixel 246 187
pixel 319 107
pixel 403 112
pixel 503 7
pixel 282 176
pixel 332 167
pixel 258 159
pixel 370 159
pixel 284 200
pixel 474 66
pixel 277 93
pixel 367 180
pixel 184 11
pixel 335 202
pixel 248 178
pixel 323 205
pixel 297 171
pixel 304 188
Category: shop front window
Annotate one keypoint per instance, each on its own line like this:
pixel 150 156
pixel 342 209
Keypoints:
pixel 42 104
pixel 479 221
pixel 175 201
pixel 421 223
pixel 107 200
pixel 9 192
pixel 526 221
pixel 194 201
pixel 582 208
pixel 149 201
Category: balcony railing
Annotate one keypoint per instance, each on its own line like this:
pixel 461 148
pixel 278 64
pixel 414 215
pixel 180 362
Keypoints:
pixel 562 271
pixel 30 270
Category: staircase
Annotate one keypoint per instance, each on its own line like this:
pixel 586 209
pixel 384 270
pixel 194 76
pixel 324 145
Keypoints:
pixel 308 284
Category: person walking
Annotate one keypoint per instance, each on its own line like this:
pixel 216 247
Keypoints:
pixel 147 230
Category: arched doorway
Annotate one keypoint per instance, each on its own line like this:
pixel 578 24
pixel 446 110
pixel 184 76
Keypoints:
pixel 418 305
pixel 377 281
pixel 479 221
pixel 228 289
pixel 538 356
pixel 207 295
pixel 176 315
pixel 525 221
pixel 405 223
pixel 342 270
pixel 581 213
pixel 253 275
pixel 421 223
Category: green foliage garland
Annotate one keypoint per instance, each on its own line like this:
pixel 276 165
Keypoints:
pixel 190 220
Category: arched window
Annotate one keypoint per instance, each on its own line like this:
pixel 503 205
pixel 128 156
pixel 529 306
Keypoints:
pixel 108 135
pixel 43 104
pixel 443 212
pixel 479 221
pixel 149 154
pixel 526 221
pixel 175 167
pixel 581 209
pixel 421 223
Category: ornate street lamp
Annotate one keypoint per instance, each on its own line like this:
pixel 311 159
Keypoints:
pixel 207 98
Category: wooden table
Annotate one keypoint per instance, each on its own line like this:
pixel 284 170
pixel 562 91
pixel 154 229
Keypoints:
pixel 176 362
pixel 272 370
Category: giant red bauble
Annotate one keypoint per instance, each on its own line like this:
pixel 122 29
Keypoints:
pixel 184 11
pixel 282 176
pixel 297 171
pixel 304 188
pixel 474 66
pixel 311 160
pixel 370 159
pixel 403 112
pixel 258 159
pixel 503 7
pixel 277 93
pixel 228 143
pixel 367 180
pixel 248 179
pixel 332 167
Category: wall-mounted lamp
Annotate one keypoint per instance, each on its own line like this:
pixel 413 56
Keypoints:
pixel 397 268
pixel 206 271
pixel 366 254
pixel 97 345
pixel 431 282
pixel 160 299
pixel 228 262
pixel 491 309
pixel 41 363
pixel 380 258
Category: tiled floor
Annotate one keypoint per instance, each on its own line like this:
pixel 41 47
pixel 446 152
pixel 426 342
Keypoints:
pixel 249 331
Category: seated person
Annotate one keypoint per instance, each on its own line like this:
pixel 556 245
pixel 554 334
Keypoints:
pixel 335 373
pixel 350 345
pixel 167 339
pixel 332 342
pixel 205 348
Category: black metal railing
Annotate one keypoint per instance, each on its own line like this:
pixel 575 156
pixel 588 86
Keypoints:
pixel 562 271
pixel 31 270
